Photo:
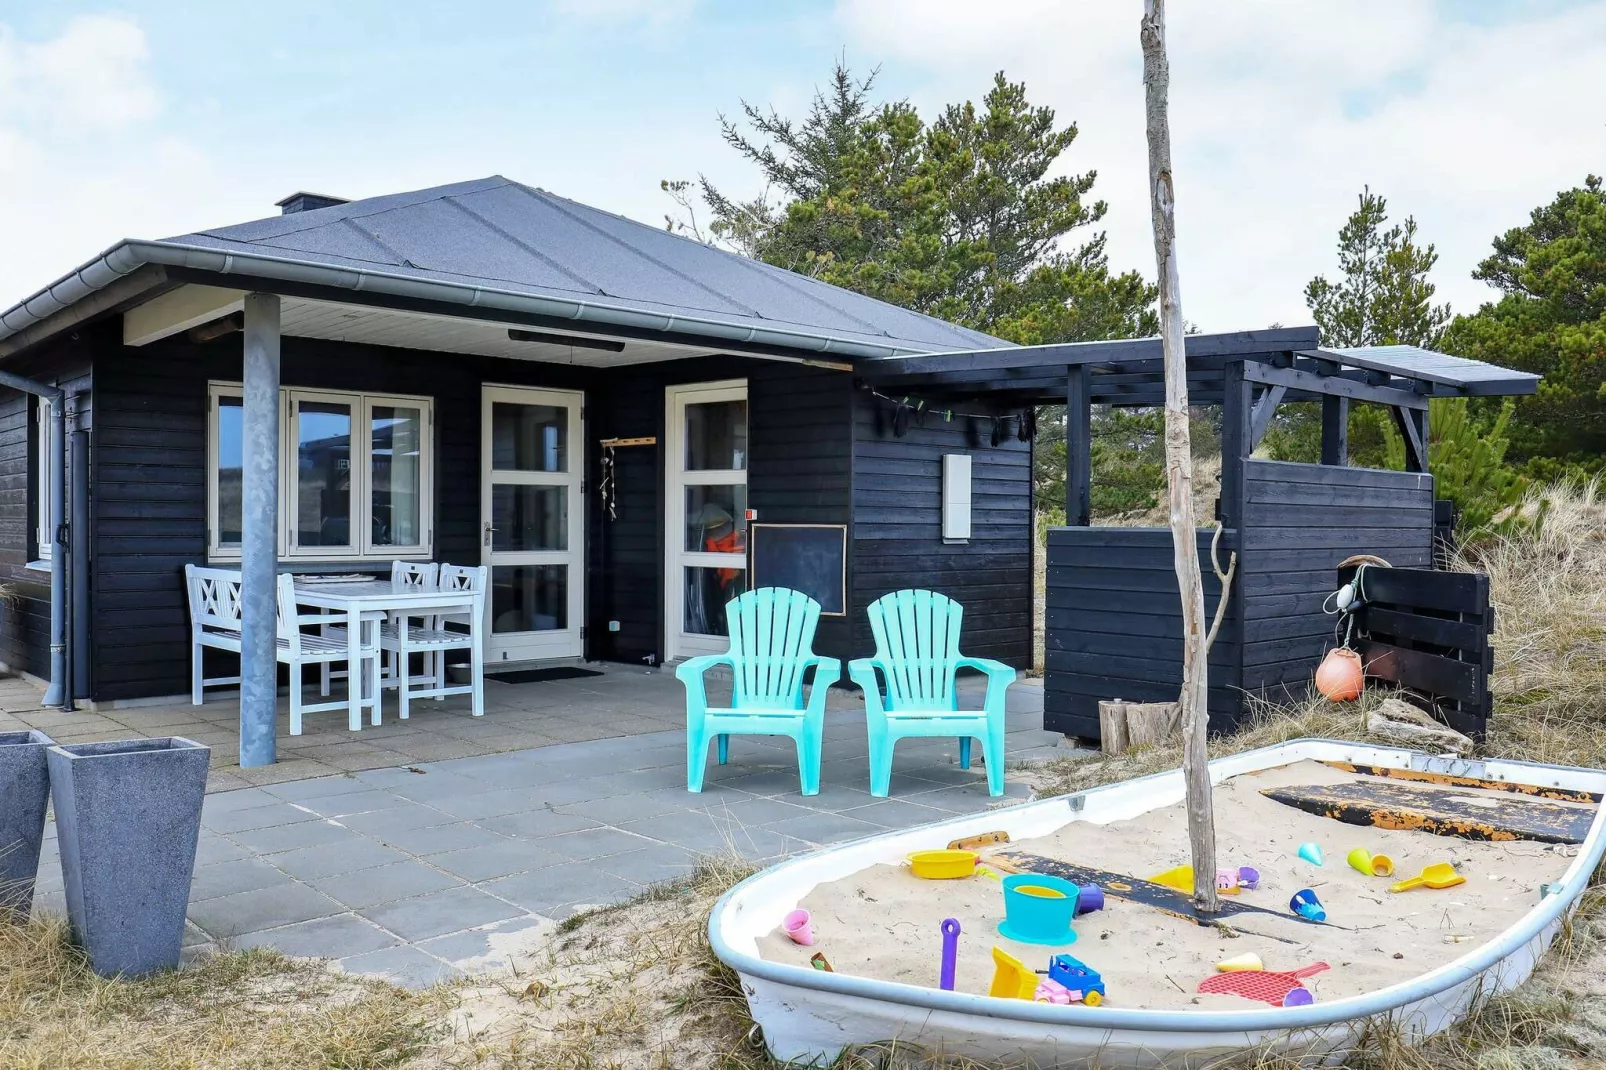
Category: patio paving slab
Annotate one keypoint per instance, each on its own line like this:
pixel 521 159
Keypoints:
pixel 375 887
pixel 426 869
pixel 439 913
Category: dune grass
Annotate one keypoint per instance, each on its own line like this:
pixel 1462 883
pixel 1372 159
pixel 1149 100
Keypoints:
pixel 254 1009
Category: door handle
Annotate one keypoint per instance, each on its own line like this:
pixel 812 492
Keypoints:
pixel 488 530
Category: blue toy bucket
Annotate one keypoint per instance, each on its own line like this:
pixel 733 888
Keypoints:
pixel 1038 909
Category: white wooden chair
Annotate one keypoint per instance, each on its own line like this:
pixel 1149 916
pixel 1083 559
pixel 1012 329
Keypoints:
pixel 215 622
pixel 404 574
pixel 402 638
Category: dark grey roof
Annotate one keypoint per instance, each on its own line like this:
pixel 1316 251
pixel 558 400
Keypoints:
pixel 496 244
pixel 1129 371
pixel 1413 362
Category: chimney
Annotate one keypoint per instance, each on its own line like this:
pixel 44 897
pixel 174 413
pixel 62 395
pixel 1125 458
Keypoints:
pixel 306 202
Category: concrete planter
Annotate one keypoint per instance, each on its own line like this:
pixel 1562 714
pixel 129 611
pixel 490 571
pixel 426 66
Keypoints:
pixel 24 795
pixel 128 816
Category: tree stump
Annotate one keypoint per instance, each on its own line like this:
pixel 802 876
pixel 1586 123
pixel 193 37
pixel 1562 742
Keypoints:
pixel 1113 737
pixel 1150 723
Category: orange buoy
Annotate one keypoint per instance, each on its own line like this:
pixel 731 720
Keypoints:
pixel 1340 677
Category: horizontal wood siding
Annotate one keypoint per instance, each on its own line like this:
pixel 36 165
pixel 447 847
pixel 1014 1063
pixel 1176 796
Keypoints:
pixel 1301 520
pixel 798 451
pixel 897 528
pixel 800 463
pixel 150 478
pixel 25 617
pixel 1114 627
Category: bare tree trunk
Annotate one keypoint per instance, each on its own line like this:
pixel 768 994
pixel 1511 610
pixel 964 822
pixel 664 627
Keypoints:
pixel 1179 465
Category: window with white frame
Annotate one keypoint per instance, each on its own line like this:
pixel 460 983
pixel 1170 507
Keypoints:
pixel 355 479
pixel 44 441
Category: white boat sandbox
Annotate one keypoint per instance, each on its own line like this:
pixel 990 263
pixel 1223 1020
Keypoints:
pixel 810 1016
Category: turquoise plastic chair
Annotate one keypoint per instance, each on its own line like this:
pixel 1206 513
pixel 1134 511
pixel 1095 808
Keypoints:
pixel 917 658
pixel 772 649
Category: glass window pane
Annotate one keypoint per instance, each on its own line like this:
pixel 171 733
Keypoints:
pixel 529 598
pixel 716 519
pixel 529 438
pixel 707 591
pixel 398 475
pixel 716 436
pixel 323 473
pixel 529 518
pixel 230 444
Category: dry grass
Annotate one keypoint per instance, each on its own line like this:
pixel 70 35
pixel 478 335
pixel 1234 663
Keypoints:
pixel 255 1009
pixel 627 987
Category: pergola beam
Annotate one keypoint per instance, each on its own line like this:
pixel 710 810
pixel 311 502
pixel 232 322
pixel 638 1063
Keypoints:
pixel 1332 385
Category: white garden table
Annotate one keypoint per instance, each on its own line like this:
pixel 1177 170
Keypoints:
pixel 365 603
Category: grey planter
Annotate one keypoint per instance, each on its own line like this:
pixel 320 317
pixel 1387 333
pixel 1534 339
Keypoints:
pixel 128 815
pixel 24 795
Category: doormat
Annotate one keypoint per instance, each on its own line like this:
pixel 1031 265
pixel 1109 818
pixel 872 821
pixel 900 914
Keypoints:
pixel 537 676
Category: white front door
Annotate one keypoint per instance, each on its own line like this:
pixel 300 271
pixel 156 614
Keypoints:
pixel 705 539
pixel 533 521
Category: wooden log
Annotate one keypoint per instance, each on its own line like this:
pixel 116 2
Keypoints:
pixel 1149 724
pixel 1113 738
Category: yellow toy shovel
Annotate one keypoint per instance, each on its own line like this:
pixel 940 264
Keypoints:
pixel 1438 875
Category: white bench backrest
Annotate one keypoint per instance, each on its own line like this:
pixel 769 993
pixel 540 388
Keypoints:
pixel 214 597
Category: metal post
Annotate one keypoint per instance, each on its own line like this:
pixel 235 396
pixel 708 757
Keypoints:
pixel 259 542
pixel 78 582
pixel 60 691
pixel 54 439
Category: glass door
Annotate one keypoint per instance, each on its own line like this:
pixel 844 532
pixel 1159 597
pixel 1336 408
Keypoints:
pixel 532 530
pixel 705 471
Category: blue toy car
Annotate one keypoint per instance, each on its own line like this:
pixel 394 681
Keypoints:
pixel 1078 978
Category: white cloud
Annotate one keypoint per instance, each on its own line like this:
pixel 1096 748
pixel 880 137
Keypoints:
pixel 83 160
pixel 1280 113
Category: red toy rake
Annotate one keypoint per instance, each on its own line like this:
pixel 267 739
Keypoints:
pixel 1269 986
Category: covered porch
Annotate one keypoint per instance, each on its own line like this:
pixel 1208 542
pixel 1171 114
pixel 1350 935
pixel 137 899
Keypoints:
pixel 616 702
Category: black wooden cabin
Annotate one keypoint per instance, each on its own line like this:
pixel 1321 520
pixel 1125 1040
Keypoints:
pixel 1113 617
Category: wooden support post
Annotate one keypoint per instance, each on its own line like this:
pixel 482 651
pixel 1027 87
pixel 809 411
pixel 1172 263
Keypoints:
pixel 1335 430
pixel 1265 409
pixel 1078 447
pixel 1412 425
pixel 1236 430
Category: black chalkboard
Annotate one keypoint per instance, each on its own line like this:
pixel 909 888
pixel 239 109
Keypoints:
pixel 811 558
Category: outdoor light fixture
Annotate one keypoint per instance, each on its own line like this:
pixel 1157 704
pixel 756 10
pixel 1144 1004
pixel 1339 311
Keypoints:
pixel 577 341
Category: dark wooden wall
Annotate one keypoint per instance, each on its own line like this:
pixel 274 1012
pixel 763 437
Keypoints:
pixel 1301 520
pixel 897 527
pixel 797 472
pixel 1114 626
pixel 148 476
pixel 1114 618
pixel 25 618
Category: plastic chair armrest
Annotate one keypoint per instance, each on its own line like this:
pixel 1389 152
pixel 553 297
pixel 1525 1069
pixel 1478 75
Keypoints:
pixel 693 668
pixel 986 665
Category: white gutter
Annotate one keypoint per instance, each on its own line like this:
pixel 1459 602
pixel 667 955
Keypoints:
pixel 130 255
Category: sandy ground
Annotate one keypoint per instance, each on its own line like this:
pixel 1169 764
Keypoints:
pixel 883 922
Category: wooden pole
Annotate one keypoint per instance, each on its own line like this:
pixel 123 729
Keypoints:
pixel 1179 465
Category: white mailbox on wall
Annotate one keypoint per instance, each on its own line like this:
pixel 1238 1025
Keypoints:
pixel 955 497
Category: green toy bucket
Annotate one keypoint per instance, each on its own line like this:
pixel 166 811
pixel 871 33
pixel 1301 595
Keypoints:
pixel 1038 909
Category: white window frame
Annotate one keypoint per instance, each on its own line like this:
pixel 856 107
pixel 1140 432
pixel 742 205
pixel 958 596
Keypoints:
pixel 44 537
pixel 362 404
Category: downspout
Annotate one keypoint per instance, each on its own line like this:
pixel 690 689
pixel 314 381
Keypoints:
pixel 57 693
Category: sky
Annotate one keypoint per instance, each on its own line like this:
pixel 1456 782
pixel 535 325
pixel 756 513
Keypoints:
pixel 155 119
